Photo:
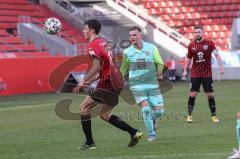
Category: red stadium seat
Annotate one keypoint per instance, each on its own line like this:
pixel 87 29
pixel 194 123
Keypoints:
pixel 208 28
pixel 13 19
pixel 17 7
pixel 20 12
pixel 3 32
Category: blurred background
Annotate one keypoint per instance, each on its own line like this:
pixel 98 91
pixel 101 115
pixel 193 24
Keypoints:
pixel 28 55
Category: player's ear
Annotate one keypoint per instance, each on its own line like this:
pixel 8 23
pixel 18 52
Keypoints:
pixel 92 31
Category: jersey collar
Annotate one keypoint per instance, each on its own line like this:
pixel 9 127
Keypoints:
pixel 137 50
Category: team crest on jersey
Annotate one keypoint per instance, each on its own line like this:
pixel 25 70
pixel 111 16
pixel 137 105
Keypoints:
pixel 205 47
pixel 147 53
pixel 91 51
pixel 102 44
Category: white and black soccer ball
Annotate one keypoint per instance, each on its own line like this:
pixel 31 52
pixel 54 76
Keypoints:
pixel 52 26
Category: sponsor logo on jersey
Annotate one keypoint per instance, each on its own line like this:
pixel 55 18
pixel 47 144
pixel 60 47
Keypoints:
pixel 200 57
pixel 141 63
pixel 205 47
pixel 91 51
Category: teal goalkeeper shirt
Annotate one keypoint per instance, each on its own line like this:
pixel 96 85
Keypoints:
pixel 143 66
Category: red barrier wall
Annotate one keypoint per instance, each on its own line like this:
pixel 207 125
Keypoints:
pixel 27 75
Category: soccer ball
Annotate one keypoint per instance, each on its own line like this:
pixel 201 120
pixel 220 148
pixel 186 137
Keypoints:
pixel 52 26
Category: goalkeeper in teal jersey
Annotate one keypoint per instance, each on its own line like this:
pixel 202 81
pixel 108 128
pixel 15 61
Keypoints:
pixel 145 66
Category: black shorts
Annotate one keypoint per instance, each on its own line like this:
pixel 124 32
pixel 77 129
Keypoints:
pixel 206 82
pixel 110 97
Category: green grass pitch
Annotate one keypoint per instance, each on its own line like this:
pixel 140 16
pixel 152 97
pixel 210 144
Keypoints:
pixel 29 128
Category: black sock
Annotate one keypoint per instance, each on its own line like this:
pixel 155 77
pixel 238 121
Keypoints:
pixel 212 105
pixel 191 102
pixel 117 122
pixel 86 126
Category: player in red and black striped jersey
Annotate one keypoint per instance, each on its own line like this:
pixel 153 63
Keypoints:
pixel 200 51
pixel 108 87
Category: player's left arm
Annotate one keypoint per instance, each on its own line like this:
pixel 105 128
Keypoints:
pixel 125 65
pixel 91 76
pixel 158 62
pixel 93 79
pixel 219 60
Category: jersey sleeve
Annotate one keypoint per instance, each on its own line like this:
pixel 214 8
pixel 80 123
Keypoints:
pixel 214 49
pixel 190 54
pixel 158 60
pixel 95 51
pixel 125 64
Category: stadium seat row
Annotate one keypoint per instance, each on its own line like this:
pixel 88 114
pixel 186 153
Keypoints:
pixel 21 2
pixel 193 22
pixel 216 16
pixel 183 9
pixel 19 7
pixel 178 3
pixel 6 12
pixel 193 15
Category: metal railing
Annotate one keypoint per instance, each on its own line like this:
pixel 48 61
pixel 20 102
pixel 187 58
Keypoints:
pixel 128 6
pixel 74 11
pixel 71 14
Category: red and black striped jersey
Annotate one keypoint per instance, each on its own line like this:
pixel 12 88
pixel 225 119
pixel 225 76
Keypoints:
pixel 110 76
pixel 201 54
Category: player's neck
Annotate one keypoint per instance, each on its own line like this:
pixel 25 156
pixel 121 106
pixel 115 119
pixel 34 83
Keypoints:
pixel 94 36
pixel 200 40
pixel 139 45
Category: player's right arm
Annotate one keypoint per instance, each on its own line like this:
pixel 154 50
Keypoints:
pixel 125 65
pixel 188 60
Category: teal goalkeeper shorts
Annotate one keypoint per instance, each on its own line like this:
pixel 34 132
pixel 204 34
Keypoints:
pixel 153 96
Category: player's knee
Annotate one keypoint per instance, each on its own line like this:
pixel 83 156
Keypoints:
pixel 84 109
pixel 238 115
pixel 158 113
pixel 210 95
pixel 193 94
pixel 105 116
pixel 144 103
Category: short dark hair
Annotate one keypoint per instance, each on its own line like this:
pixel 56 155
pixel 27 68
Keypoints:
pixel 135 28
pixel 93 24
pixel 198 27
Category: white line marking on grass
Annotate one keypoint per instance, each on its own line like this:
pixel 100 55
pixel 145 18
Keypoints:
pixel 26 106
pixel 162 156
